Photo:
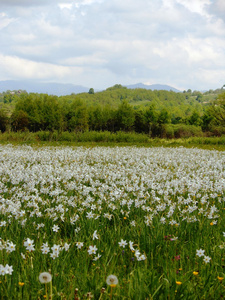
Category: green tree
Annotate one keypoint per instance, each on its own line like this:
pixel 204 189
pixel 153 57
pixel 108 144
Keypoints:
pixel 195 119
pixel 77 116
pixel 91 91
pixel 19 120
pixel 4 120
pixel 151 119
pixel 140 123
pixel 125 116
pixel 50 113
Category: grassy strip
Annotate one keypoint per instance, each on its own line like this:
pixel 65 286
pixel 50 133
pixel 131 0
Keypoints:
pixel 93 138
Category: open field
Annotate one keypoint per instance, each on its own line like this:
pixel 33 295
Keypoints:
pixel 153 217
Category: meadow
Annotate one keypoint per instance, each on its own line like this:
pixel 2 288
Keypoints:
pixel 152 217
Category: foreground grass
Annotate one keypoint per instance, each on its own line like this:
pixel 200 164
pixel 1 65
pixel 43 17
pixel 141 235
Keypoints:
pixel 154 217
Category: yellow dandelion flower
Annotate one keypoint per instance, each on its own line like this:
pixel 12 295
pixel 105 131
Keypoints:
pixel 178 282
pixel 21 283
pixel 220 278
pixel 195 273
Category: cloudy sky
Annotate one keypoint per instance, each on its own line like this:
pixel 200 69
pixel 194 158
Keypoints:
pixel 98 43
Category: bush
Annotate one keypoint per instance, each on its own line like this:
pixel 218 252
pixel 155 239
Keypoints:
pixel 218 130
pixel 185 131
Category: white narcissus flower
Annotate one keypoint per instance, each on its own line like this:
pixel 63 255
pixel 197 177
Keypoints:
pixel 95 236
pixel 45 277
pixel 207 259
pixel 8 269
pixel 122 243
pixel 92 250
pixel 79 245
pixel 55 228
pixel 97 257
pixel 200 252
pixel 66 246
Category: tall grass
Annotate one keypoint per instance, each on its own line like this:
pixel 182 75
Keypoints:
pixel 106 137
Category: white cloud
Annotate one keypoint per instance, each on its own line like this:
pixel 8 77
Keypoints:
pixel 196 6
pixel 5 20
pixel 217 8
pixel 65 5
pixel 15 67
pixel 112 41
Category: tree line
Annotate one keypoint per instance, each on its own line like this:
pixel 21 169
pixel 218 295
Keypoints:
pixel 42 112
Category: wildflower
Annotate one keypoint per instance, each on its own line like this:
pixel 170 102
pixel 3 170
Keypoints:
pixel 66 246
pixel 163 220
pixel 11 247
pixel 53 255
pixel 92 250
pixel 45 248
pixel 178 282
pixel 55 251
pixel 108 216
pixel 141 257
pixel 133 223
pixel 76 230
pixel 45 277
pixel 131 246
pixel 2 270
pixel 213 223
pixel 195 273
pixel 55 228
pixel 220 278
pixel 112 280
pixel 207 259
pixel 29 244
pixel 8 269
pixel 200 252
pixel 97 257
pixel 122 243
pixel 172 222
pixel 90 215
pixel 137 253
pixel 79 245
pixel 177 257
pixel 95 236
pixel 55 248
pixel 40 226
pixel 21 283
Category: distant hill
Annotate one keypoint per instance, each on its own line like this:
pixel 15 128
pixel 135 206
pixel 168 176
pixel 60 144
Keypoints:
pixel 58 89
pixel 62 89
pixel 152 87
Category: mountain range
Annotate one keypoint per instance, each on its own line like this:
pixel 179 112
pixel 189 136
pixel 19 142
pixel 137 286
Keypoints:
pixel 62 89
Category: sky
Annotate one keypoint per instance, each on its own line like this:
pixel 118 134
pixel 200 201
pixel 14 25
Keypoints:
pixel 99 43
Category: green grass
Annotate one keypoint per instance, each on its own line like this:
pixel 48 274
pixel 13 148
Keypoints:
pixel 94 138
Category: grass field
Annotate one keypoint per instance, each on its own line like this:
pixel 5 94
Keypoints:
pixel 106 138
pixel 153 217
